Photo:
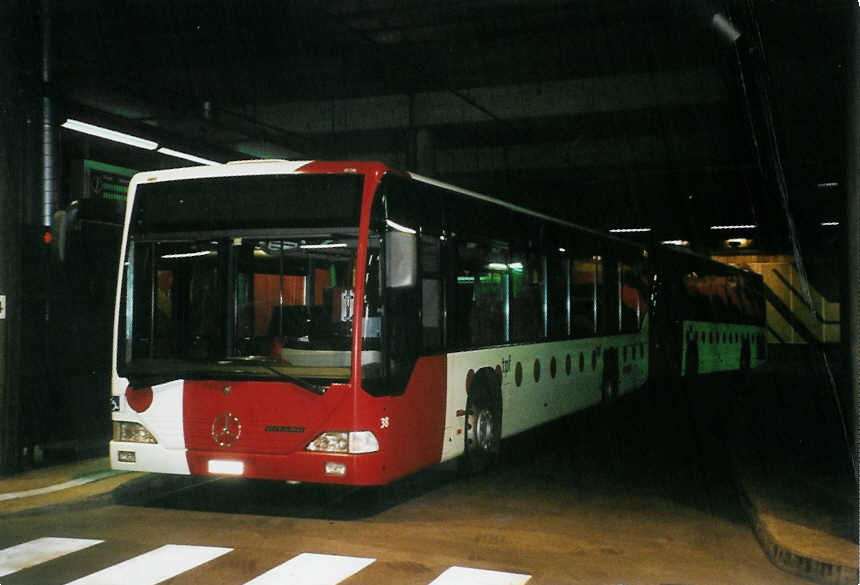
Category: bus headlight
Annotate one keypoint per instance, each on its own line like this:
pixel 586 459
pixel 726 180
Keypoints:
pixel 131 432
pixel 345 442
pixel 363 442
pixel 331 442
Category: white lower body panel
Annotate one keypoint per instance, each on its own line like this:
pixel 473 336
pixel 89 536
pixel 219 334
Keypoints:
pixel 543 381
pixel 163 419
pixel 148 457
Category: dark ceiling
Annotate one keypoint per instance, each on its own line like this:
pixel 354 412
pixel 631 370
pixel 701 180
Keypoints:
pixel 613 113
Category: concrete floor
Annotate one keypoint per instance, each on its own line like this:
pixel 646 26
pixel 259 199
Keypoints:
pixel 640 492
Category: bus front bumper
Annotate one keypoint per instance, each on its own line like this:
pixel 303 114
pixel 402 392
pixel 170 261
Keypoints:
pixel 303 466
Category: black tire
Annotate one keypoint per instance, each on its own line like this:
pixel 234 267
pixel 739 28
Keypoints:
pixel 609 385
pixel 692 359
pixel 483 435
pixel 746 356
pixel 609 391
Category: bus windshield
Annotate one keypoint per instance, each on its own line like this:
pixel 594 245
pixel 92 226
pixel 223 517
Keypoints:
pixel 266 300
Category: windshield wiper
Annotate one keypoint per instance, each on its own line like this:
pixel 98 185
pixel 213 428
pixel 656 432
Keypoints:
pixel 269 364
pixel 152 373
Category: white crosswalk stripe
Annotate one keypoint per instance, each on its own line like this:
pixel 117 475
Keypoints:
pixel 41 550
pixel 155 566
pixel 168 561
pixel 467 576
pixel 313 569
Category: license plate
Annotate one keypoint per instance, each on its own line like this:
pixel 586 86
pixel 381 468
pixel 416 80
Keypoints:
pixel 222 467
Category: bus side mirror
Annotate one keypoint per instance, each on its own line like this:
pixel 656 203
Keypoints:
pixel 62 224
pixel 401 259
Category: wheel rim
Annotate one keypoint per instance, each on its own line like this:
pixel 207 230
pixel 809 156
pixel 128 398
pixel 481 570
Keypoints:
pixel 481 430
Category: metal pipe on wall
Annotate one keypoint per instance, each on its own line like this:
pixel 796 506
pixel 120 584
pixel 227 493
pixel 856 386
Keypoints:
pixel 49 128
pixel 49 162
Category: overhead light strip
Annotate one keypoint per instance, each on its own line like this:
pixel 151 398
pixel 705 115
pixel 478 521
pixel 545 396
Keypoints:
pixel 186 156
pixel 746 226
pixel 829 223
pixel 323 246
pixel 109 134
pixel 131 140
pixel 629 230
pixel 188 254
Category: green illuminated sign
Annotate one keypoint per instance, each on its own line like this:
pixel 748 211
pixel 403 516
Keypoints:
pixel 104 181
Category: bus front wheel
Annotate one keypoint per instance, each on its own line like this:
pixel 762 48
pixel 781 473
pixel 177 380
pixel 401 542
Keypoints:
pixel 483 424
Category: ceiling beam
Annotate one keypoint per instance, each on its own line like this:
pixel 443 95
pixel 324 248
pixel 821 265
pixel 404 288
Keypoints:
pixel 515 102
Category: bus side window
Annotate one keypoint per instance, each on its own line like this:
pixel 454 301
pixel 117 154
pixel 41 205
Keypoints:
pixel 431 313
pixel 431 293
pixel 526 296
pixel 586 281
pixel 411 205
pixel 632 297
pixel 399 307
pixel 480 294
pixel 558 309
pixel 402 336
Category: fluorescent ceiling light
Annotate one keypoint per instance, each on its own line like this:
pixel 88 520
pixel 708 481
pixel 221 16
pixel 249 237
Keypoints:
pixel 629 230
pixel 323 246
pixel 108 134
pixel 827 185
pixel 516 266
pixel 675 242
pixel 748 226
pixel 829 223
pixel 186 156
pixel 725 27
pixel 189 254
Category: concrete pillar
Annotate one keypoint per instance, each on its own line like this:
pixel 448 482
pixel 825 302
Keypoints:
pixel 13 131
pixel 851 298
pixel 422 152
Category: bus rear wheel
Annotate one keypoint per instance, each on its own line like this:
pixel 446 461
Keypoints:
pixel 483 424
pixel 746 356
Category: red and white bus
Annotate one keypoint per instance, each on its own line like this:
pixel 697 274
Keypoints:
pixel 345 322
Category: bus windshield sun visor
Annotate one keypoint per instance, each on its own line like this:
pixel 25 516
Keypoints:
pixel 247 202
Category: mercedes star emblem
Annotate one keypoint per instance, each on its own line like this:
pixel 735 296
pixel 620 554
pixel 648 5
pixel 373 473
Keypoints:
pixel 226 429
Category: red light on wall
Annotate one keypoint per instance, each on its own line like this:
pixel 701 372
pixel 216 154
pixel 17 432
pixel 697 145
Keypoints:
pixel 139 399
pixel 47 237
